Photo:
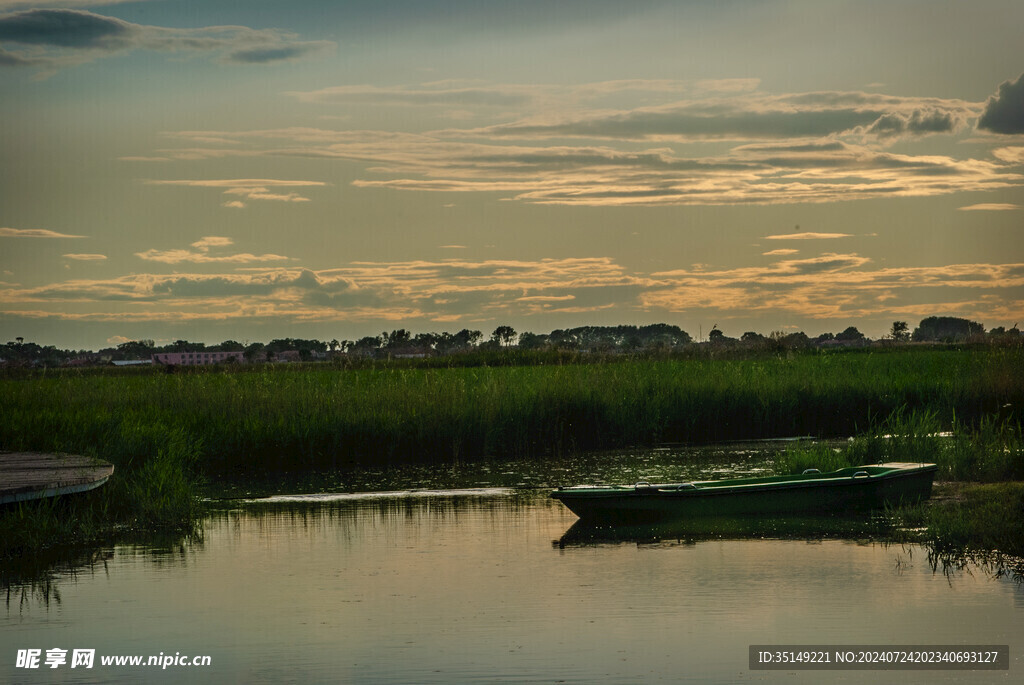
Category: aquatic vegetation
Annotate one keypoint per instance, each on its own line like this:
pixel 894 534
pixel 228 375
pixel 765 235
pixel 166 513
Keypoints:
pixel 990 450
pixel 969 516
pixel 157 489
pixel 279 417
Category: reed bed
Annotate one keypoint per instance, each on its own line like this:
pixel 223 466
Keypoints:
pixel 969 517
pixel 991 450
pixel 275 417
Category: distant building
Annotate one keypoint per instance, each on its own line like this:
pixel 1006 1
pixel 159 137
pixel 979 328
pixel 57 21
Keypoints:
pixel 132 362
pixel 197 358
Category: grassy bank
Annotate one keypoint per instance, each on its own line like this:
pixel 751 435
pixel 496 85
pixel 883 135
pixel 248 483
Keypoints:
pixel 969 516
pixel 164 432
pixel 155 488
pixel 990 450
pixel 277 417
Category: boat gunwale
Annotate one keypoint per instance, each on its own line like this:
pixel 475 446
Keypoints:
pixel 839 478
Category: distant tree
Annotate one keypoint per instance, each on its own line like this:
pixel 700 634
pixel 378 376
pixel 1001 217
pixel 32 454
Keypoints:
pixel 532 341
pixel 851 334
pixel 253 352
pixel 715 335
pixel 135 349
pixel 946 329
pixel 366 346
pixel 427 342
pixel 185 346
pixel 752 339
pixel 396 339
pixel 305 348
pixel 564 339
pixel 466 339
pixel 504 335
pixel 230 346
pixel 824 337
pixel 1005 336
pixel 795 341
pixel 663 334
pixel 900 331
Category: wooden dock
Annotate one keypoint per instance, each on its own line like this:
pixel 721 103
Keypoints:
pixel 33 475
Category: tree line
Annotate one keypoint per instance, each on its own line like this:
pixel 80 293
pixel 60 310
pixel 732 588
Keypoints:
pixel 597 339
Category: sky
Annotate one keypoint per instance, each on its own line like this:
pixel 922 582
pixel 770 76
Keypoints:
pixel 253 169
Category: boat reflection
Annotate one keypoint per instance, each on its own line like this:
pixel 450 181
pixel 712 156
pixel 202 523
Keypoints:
pixel 864 528
pixel 860 527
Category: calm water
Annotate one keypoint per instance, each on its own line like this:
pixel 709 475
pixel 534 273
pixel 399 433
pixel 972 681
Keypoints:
pixel 492 584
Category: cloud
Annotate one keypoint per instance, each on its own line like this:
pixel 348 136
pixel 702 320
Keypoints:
pixel 990 207
pixel 203 257
pixel 446 290
pixel 33 233
pixel 471 95
pixel 86 257
pixel 417 96
pixel 9 59
pixel 1010 155
pixel 1004 111
pixel 756 116
pixel 65 37
pixel 838 286
pixel 807 236
pixel 66 28
pixel 788 171
pixel 209 241
pixel 277 53
pixel 8 5
pixel 780 252
pixel 233 183
pixel 248 188
pixel 814 147
pixel 201 254
pixel 729 109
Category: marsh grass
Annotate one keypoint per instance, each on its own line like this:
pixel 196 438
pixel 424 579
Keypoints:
pixel 273 417
pixel 988 451
pixel 983 517
pixel 156 489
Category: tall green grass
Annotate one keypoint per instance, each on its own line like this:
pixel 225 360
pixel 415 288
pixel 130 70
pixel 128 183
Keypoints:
pixel 274 417
pixel 990 450
pixel 155 488
pixel 982 517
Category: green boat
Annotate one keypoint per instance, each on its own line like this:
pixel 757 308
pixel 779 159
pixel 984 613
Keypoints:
pixel 854 488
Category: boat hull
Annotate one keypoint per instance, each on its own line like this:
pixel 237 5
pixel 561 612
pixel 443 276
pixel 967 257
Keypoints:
pixel 842 491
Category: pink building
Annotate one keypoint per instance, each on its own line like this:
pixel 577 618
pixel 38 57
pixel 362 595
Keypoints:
pixel 195 358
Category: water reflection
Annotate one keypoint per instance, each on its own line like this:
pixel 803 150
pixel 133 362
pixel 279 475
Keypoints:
pixel 466 587
pixel 662 464
pixel 36 580
pixel 733 528
pixel 32 581
pixel 866 528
